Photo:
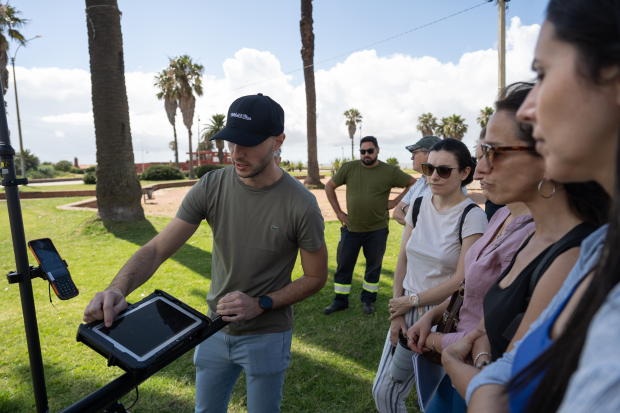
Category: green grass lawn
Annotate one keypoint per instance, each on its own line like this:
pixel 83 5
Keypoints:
pixel 334 359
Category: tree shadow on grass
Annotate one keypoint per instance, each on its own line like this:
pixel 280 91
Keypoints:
pixel 66 386
pixel 141 232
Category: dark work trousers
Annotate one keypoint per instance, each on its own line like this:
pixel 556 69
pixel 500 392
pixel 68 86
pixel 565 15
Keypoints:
pixel 373 245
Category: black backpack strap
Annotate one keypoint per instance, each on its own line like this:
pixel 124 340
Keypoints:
pixel 465 212
pixel 572 239
pixel 415 210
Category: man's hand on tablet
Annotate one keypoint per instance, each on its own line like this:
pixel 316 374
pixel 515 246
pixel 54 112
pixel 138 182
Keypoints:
pixel 105 306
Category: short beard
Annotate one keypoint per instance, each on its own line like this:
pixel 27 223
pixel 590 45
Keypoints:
pixel 367 163
pixel 262 166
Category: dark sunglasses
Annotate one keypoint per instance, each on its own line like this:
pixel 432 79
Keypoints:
pixel 370 151
pixel 442 171
pixel 489 151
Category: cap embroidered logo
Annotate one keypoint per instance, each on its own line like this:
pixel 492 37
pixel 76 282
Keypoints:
pixel 273 227
pixel 240 116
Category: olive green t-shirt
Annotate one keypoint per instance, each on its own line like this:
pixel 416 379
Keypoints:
pixel 257 233
pixel 368 192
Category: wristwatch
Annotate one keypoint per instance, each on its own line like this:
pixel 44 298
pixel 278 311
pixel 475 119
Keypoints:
pixel 265 303
pixel 416 297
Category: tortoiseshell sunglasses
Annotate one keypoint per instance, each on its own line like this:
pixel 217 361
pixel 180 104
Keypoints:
pixel 489 151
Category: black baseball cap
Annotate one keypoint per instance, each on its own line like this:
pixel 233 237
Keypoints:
pixel 251 120
pixel 426 142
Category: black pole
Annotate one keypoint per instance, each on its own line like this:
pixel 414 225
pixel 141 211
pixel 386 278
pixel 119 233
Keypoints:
pixel 10 182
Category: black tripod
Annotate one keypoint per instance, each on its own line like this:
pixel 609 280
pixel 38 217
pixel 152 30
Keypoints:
pixel 106 398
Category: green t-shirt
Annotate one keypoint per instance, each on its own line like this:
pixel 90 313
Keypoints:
pixel 257 233
pixel 368 192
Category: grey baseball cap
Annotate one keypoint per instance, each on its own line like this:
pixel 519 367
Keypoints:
pixel 426 142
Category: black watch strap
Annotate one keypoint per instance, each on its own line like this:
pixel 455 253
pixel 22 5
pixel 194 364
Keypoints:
pixel 265 303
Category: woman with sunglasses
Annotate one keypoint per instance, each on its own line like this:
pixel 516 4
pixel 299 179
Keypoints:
pixel 431 259
pixel 568 361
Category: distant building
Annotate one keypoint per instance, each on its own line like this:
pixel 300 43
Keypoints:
pixel 77 165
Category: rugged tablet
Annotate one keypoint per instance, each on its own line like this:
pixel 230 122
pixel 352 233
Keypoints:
pixel 53 267
pixel 148 332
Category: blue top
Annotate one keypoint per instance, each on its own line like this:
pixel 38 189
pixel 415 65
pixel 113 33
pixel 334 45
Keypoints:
pixel 500 371
pixel 531 347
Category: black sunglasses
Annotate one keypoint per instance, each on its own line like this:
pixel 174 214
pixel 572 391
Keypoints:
pixel 442 171
pixel 370 151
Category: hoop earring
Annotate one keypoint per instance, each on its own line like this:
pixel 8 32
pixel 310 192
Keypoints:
pixel 540 185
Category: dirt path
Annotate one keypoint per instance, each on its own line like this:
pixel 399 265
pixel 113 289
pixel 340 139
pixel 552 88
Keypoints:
pixel 165 202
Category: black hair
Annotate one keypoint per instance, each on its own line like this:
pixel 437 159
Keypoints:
pixel 510 100
pixel 592 28
pixel 369 139
pixel 462 155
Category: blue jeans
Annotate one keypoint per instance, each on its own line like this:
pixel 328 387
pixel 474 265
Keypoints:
pixel 447 399
pixel 219 360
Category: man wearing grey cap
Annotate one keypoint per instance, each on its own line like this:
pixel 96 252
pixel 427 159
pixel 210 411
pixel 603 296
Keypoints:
pixel 419 155
pixel 261 218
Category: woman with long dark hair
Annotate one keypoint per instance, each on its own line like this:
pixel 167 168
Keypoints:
pixel 568 361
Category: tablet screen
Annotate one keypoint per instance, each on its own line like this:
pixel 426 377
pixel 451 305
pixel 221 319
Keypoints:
pixel 149 327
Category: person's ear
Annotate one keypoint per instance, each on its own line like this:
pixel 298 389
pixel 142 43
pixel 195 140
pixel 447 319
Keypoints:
pixel 378 150
pixel 279 140
pixel 465 173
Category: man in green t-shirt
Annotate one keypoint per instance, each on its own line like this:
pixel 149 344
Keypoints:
pixel 261 219
pixel 365 225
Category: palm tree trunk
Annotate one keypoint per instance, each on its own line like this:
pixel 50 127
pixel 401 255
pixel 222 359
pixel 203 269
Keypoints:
pixel 176 147
pixel 118 188
pixel 220 155
pixel 191 159
pixel 307 56
pixel 352 148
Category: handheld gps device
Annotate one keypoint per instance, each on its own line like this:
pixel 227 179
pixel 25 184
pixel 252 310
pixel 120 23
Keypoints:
pixel 53 267
pixel 155 329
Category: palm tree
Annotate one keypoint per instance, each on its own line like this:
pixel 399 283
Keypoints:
pixel 9 23
pixel 187 75
pixel 427 123
pixel 168 91
pixel 307 56
pixel 452 127
pixel 118 188
pixel 485 114
pixel 353 118
pixel 216 124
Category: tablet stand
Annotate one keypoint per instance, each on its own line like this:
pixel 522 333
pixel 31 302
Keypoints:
pixel 106 398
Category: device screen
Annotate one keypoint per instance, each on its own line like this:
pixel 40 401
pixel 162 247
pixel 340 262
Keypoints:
pixel 143 330
pixel 48 257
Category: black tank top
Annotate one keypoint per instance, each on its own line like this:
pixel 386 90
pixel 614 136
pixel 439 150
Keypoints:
pixel 504 307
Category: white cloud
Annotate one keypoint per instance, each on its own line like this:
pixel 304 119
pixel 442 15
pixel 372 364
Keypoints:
pixel 391 92
pixel 59 134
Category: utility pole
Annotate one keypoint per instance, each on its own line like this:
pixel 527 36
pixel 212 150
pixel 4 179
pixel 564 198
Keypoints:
pixel 501 44
pixel 198 135
pixel 19 123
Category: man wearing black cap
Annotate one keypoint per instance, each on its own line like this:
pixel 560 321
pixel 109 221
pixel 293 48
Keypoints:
pixel 260 217
pixel 366 224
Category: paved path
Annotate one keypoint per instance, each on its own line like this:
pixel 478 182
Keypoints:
pixel 166 202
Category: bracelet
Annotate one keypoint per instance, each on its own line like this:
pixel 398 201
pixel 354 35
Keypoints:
pixel 417 299
pixel 434 349
pixel 480 354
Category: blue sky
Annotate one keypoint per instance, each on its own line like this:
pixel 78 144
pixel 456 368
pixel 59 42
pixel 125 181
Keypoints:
pixel 214 33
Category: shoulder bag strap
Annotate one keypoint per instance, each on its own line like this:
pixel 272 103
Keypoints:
pixel 415 210
pixel 465 212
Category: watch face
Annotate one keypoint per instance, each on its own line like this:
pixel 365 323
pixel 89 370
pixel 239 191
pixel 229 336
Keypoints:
pixel 265 302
